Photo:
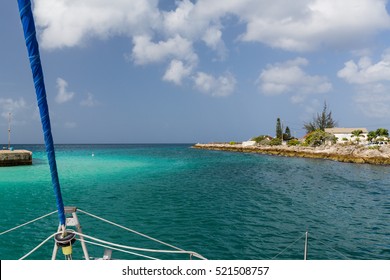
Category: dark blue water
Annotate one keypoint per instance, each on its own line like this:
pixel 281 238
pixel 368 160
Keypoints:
pixel 222 205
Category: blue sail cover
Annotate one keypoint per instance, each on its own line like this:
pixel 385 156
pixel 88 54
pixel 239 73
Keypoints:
pixel 36 67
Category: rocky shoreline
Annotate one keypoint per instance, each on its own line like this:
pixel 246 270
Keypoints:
pixel 344 153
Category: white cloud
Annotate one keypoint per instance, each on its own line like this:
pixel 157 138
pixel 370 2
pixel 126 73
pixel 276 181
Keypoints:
pixel 374 100
pixel 90 101
pixel 170 37
pixel 305 25
pixel 213 39
pixel 365 71
pixel 177 71
pixel 372 81
pixel 221 86
pixel 145 51
pixel 181 20
pixel 21 112
pixel 178 49
pixel 298 25
pixel 9 105
pixel 63 95
pixel 289 77
pixel 68 23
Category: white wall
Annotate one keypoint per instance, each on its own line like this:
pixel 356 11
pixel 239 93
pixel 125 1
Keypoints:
pixel 362 137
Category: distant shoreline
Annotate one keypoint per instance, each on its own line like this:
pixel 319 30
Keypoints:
pixel 341 153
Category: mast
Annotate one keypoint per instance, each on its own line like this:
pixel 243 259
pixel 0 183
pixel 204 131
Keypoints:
pixel 9 131
pixel 28 24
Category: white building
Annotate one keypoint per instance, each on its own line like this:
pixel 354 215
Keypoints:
pixel 249 143
pixel 345 134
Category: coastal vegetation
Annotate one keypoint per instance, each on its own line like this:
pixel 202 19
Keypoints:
pixel 357 146
pixel 275 142
pixel 279 130
pixel 293 142
pixel 338 152
pixel 321 121
pixel 318 137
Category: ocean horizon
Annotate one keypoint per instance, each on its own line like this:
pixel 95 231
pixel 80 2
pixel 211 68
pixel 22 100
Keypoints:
pixel 223 205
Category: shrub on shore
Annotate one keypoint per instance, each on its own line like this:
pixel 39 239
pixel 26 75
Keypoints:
pixel 275 142
pixel 265 142
pixel 261 138
pixel 318 138
pixel 293 142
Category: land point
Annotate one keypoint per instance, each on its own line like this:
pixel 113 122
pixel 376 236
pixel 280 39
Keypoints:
pixel 343 153
pixel 15 157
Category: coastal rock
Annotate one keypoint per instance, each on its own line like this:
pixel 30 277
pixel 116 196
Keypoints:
pixel 342 153
pixel 15 157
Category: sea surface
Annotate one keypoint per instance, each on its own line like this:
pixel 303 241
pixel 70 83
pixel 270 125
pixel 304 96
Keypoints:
pixel 223 205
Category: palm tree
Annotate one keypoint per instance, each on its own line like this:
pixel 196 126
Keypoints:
pixel 357 133
pixel 371 135
pixel 382 132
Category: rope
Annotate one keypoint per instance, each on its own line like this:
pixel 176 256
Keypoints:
pixel 28 24
pixel 289 246
pixel 36 248
pixel 142 249
pixel 44 216
pixel 120 250
pixel 131 230
pixel 179 250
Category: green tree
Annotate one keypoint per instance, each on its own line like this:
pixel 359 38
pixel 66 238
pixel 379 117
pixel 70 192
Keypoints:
pixel 260 138
pixel 279 130
pixel 318 138
pixel 287 134
pixel 382 132
pixel 275 142
pixel 321 121
pixel 293 142
pixel 371 135
pixel 357 133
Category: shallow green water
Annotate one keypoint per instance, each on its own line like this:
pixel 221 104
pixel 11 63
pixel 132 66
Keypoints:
pixel 222 205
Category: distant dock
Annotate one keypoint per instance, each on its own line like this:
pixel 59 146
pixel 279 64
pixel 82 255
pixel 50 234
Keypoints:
pixel 16 157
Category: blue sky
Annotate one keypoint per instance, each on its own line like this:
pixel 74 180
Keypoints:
pixel 149 71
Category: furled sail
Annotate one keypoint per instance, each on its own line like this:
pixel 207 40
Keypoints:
pixel 36 67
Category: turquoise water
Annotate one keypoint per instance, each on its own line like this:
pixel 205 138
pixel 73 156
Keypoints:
pixel 222 205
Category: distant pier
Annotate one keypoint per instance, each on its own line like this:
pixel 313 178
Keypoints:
pixel 16 157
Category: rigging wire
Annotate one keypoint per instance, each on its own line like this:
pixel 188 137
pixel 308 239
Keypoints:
pixel 113 246
pixel 311 236
pixel 142 249
pixel 289 246
pixel 179 251
pixel 117 247
pixel 120 250
pixel 39 246
pixel 19 226
pixel 131 230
